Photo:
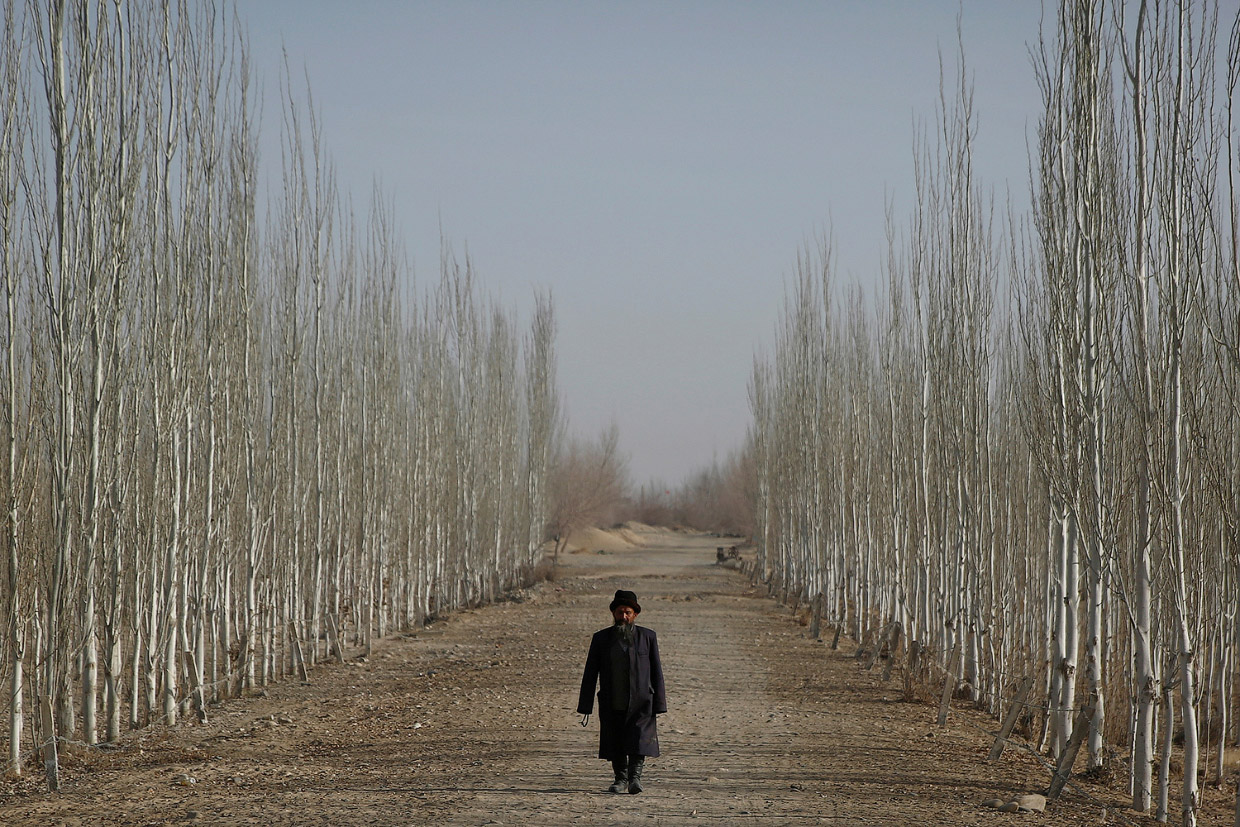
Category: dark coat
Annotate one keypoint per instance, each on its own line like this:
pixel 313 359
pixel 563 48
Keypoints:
pixel 632 732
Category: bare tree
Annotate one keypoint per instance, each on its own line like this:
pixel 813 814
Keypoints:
pixel 589 480
pixel 12 253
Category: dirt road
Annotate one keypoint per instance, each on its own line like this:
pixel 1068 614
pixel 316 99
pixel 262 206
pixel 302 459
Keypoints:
pixel 471 721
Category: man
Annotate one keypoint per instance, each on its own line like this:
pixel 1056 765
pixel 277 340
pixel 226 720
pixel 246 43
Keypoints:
pixel 624 660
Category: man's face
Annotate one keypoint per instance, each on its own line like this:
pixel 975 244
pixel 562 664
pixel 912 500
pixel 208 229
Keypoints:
pixel 624 614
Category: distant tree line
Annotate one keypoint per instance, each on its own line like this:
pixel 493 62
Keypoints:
pixel 716 498
pixel 235 439
pixel 1024 449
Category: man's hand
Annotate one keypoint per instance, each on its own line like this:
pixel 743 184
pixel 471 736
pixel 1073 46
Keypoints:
pixel 585 719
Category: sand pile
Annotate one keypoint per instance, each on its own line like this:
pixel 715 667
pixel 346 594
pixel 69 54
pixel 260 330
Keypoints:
pixel 622 538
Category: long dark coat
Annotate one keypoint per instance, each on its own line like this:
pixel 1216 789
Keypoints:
pixel 632 732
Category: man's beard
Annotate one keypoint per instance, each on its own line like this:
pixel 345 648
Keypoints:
pixel 627 631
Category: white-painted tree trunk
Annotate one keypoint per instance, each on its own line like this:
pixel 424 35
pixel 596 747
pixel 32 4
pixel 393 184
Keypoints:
pixel 11 171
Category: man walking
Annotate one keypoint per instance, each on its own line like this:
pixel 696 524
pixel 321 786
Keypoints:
pixel 624 660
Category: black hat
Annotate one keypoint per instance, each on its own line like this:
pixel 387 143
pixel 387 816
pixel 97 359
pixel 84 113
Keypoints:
pixel 624 598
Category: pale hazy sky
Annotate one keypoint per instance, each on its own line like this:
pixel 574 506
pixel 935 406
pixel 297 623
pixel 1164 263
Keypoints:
pixel 656 165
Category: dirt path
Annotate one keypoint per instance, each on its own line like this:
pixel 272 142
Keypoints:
pixel 471 721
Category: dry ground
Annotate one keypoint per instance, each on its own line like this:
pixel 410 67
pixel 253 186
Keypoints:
pixel 471 721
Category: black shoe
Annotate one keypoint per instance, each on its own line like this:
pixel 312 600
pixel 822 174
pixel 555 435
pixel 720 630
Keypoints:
pixel 636 763
pixel 621 784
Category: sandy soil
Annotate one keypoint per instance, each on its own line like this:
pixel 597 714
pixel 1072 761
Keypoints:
pixel 471 721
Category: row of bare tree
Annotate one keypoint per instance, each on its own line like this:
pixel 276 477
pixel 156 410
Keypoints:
pixel 236 440
pixel 1025 450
